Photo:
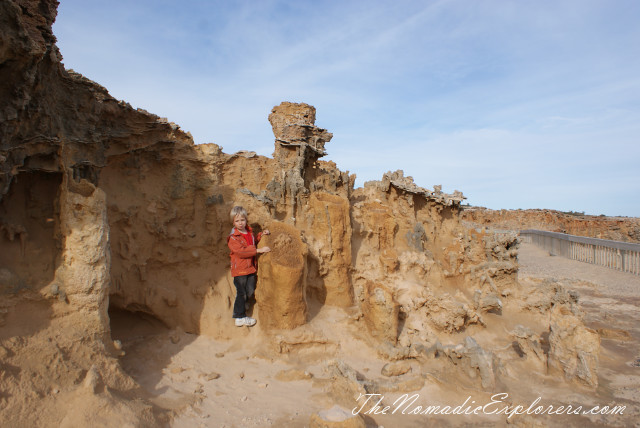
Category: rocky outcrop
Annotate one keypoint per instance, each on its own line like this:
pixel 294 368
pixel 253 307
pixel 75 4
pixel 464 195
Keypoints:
pixel 57 132
pixel 475 361
pixel 573 348
pixel 625 229
pixel 104 207
pixel 529 344
pixel 330 238
pixel 381 313
pixel 299 144
pixel 314 196
pixel 82 276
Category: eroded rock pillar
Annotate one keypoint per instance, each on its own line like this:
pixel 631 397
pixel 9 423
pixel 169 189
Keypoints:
pixel 83 273
pixel 573 348
pixel 332 232
pixel 381 312
pixel 280 292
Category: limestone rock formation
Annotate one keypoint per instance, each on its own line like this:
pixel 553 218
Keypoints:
pixel 348 383
pixel 299 144
pixel 281 292
pixel 475 361
pixel 331 239
pixel 573 347
pixel 626 229
pixel 381 313
pixel 529 344
pixel 315 197
pixel 105 208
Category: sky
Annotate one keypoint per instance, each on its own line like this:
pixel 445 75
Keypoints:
pixel 518 104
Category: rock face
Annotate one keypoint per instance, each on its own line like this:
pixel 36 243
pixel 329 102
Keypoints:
pixel 529 344
pixel 626 229
pixel 573 347
pixel 282 281
pixel 313 196
pixel 299 144
pixel 331 226
pixel 83 271
pixel 104 207
pixel 381 313
pixel 475 361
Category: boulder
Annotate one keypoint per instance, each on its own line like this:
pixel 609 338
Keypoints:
pixel 396 368
pixel 474 361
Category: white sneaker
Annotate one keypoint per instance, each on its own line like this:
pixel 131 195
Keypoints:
pixel 248 321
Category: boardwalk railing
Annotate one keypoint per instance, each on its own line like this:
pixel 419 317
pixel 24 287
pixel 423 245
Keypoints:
pixel 622 256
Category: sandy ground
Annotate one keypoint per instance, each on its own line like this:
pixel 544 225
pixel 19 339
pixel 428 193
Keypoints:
pixel 535 262
pixel 611 301
pixel 249 382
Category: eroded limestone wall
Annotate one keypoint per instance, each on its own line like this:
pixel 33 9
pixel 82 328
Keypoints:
pixel 625 229
pixel 104 205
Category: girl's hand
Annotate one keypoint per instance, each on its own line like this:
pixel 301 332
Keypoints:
pixel 263 250
pixel 266 232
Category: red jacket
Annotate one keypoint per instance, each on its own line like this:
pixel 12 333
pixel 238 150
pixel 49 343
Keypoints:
pixel 243 255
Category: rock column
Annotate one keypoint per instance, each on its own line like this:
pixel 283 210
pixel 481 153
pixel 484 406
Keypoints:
pixel 280 293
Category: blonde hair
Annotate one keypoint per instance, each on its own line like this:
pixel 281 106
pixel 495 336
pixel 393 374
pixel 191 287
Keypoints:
pixel 238 210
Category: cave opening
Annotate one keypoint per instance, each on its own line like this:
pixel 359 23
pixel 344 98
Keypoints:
pixel 29 239
pixel 130 325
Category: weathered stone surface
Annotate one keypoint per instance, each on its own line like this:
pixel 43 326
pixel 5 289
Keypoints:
pixel 573 348
pixel 299 143
pixel 281 278
pixel 626 229
pixel 489 303
pixel 547 295
pixel 475 361
pixel 396 368
pixel 105 206
pixel 299 339
pixel 294 125
pixel 85 259
pixel 529 343
pixel 381 313
pixel 397 179
pixel 449 314
pixel 348 383
pixel 331 237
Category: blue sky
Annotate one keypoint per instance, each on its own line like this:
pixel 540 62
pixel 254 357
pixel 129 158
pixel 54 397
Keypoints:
pixel 518 104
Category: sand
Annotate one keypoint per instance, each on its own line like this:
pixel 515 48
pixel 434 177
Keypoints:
pixel 196 381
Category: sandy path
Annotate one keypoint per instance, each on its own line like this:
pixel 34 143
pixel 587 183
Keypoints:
pixel 536 262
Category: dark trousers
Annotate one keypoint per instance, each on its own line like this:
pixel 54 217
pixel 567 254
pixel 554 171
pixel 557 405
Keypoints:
pixel 245 287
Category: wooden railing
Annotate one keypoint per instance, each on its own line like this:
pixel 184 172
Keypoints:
pixel 622 256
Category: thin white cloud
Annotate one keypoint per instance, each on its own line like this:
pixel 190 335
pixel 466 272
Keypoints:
pixel 501 100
